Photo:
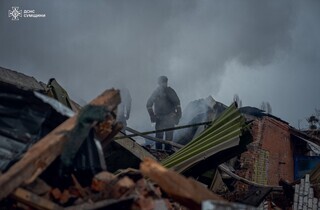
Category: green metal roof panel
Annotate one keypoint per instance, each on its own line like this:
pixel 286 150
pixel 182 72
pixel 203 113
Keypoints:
pixel 222 134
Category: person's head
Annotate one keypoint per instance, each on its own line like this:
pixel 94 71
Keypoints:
pixel 163 81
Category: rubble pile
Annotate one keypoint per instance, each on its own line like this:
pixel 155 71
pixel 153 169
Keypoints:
pixel 126 190
pixel 57 155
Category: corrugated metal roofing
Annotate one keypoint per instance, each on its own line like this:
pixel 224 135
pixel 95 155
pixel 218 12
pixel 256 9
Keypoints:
pixel 24 118
pixel 224 133
pixel 19 80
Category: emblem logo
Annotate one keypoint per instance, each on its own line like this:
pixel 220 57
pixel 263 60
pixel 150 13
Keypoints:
pixel 15 13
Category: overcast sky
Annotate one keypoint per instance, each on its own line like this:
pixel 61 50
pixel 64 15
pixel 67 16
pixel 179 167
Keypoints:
pixel 261 50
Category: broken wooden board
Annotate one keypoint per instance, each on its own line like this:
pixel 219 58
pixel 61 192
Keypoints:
pixel 33 200
pixel 186 191
pixel 45 151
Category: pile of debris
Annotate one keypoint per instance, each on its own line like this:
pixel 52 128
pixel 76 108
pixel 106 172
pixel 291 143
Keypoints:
pixel 55 154
pixel 53 157
pixel 127 189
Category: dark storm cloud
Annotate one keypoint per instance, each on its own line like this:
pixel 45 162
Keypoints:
pixel 89 46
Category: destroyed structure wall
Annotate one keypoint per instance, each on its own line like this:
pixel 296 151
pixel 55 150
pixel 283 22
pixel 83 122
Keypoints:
pixel 276 140
pixel 270 155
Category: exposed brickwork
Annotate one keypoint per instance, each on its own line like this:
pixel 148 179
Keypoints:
pixel 270 155
pixel 276 140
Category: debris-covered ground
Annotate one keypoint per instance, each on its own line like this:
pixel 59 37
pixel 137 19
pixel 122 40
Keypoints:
pixel 55 154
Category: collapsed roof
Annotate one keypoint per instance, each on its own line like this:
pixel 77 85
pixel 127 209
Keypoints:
pixel 28 149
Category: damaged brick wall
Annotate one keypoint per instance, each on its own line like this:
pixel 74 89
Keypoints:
pixel 276 140
pixel 270 155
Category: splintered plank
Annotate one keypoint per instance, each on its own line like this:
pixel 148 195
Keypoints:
pixel 34 200
pixel 46 150
pixel 186 191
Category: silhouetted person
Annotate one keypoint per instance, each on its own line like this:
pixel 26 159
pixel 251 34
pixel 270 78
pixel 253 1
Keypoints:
pixel 164 109
pixel 124 108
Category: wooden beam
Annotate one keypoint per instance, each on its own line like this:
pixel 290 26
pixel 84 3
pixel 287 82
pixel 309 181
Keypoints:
pixel 33 200
pixel 186 191
pixel 46 150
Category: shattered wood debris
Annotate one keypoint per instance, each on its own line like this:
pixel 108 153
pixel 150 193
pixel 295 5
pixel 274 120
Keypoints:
pixel 126 190
pixel 56 155
pixel 48 175
pixel 187 191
